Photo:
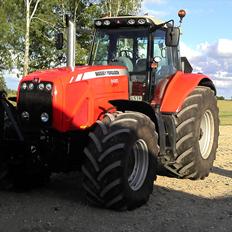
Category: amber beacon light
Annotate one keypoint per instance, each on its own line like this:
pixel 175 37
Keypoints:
pixel 181 14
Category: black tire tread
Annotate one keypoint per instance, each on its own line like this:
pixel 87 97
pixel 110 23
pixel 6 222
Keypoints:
pixel 185 165
pixel 103 186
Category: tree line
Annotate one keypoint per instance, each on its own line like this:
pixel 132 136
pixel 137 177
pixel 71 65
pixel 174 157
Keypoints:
pixel 28 29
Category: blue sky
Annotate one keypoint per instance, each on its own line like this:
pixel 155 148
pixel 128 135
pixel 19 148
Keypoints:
pixel 206 39
pixel 207 35
pixel 206 20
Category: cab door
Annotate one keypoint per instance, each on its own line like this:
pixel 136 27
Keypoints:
pixel 167 59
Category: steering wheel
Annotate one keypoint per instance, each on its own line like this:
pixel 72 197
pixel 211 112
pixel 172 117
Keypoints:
pixel 126 53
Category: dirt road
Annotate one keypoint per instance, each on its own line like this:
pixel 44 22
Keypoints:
pixel 175 205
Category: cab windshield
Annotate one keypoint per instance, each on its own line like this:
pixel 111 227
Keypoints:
pixel 125 46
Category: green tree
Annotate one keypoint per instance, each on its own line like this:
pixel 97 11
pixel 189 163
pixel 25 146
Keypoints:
pixel 9 34
pixel 220 98
pixel 33 48
pixel 121 7
pixel 31 8
pixel 46 18
pixel 27 36
pixel 82 12
pixel 2 83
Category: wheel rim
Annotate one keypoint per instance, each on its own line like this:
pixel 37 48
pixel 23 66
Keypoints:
pixel 139 166
pixel 206 136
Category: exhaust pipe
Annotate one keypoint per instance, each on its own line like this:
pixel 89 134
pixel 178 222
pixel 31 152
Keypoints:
pixel 71 44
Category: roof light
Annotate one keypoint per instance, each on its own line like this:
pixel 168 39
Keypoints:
pixel 141 21
pixel 131 21
pixel 106 22
pixel 98 23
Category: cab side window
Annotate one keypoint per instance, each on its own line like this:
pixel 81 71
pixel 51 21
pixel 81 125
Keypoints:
pixel 166 66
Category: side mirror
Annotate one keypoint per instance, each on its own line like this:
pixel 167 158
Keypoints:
pixel 59 42
pixel 172 36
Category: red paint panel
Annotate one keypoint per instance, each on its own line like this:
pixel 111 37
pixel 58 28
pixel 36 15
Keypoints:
pixel 179 87
pixel 79 96
pixel 84 100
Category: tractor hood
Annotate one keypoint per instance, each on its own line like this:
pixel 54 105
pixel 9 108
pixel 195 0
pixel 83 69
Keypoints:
pixel 79 73
pixel 70 99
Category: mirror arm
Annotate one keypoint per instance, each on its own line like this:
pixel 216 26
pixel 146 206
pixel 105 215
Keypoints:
pixel 166 23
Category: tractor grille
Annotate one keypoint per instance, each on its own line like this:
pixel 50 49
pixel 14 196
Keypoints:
pixel 35 100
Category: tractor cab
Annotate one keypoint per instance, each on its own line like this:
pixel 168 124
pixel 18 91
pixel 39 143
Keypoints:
pixel 145 45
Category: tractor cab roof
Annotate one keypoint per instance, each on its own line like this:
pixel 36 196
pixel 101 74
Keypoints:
pixel 123 21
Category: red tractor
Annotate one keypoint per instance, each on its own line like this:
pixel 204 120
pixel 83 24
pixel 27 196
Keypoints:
pixel 135 110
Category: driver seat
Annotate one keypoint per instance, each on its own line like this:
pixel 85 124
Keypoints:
pixel 141 65
pixel 123 61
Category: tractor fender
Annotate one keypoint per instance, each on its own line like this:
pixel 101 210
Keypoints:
pixel 179 87
pixel 151 111
pixel 138 106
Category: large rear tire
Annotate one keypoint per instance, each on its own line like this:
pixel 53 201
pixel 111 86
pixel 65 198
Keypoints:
pixel 197 130
pixel 120 161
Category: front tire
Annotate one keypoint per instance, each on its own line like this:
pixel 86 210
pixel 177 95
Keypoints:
pixel 197 131
pixel 120 161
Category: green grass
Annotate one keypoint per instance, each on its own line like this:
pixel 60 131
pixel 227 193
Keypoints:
pixel 225 112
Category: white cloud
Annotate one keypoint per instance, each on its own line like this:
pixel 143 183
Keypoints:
pixel 214 60
pixel 224 47
pixel 223 81
pixel 188 52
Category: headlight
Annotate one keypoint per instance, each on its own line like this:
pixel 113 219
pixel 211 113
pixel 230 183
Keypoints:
pixel 44 117
pixel 24 86
pixel 25 115
pixel 41 86
pixel 48 87
pixel 31 86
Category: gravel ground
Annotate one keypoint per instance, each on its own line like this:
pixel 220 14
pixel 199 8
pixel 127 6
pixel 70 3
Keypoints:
pixel 175 205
